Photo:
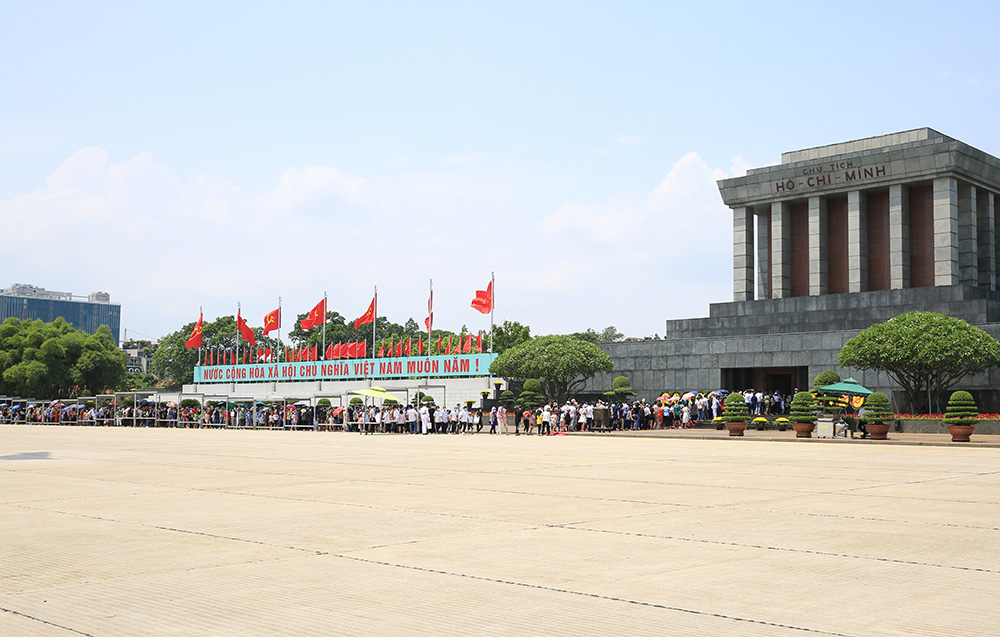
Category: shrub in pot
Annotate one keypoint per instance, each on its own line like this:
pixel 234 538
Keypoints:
pixel 803 414
pixel 736 415
pixel 876 415
pixel 961 416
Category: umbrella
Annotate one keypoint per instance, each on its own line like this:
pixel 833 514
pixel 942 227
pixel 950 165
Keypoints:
pixel 337 411
pixel 721 392
pixel 375 392
pixel 690 394
pixel 847 386
pixel 15 407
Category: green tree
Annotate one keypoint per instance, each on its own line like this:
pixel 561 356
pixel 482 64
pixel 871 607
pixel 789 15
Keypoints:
pixel 562 364
pixel 509 334
pixel 54 360
pixel 174 362
pixel 137 380
pixel 924 352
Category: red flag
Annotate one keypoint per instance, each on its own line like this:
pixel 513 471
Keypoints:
pixel 208 360
pixel 317 316
pixel 484 299
pixel 429 321
pixel 381 349
pixel 468 345
pixel 272 321
pixel 439 345
pixel 244 357
pixel 479 342
pixel 315 352
pixel 389 351
pixel 352 350
pixel 245 330
pixel 195 339
pixel 336 351
pixel 420 346
pixel 399 348
pixel 409 344
pixel 363 349
pixel 447 347
pixel 328 354
pixel 367 317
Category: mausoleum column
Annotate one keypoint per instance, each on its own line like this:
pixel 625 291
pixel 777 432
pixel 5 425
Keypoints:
pixel 781 274
pixel 968 231
pixel 743 254
pixel 987 240
pixel 857 242
pixel 817 246
pixel 899 237
pixel 946 264
pixel 763 254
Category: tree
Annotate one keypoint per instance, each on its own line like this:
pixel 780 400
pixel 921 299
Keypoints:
pixel 509 334
pixel 54 360
pixel 610 334
pixel 562 364
pixel 175 363
pixel 924 352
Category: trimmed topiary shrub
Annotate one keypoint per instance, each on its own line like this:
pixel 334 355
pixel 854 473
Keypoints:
pixel 826 377
pixel 961 409
pixel 876 408
pixel 802 409
pixel 736 408
pixel 532 395
pixel 357 401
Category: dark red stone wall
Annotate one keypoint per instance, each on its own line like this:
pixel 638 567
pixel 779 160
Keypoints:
pixel 798 231
pixel 921 236
pixel 836 245
pixel 877 204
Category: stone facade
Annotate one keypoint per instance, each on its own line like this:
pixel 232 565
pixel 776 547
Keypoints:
pixel 829 242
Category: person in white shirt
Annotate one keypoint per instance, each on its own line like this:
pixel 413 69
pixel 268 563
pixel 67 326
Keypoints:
pixel 425 418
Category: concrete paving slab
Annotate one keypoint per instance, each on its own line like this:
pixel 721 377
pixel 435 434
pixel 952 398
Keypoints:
pixel 123 531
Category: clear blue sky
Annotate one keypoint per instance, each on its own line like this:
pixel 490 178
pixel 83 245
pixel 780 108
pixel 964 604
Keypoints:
pixel 203 154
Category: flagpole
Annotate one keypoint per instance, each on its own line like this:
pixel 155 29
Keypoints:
pixel 201 315
pixel 279 331
pixel 430 324
pixel 324 325
pixel 374 319
pixel 239 317
pixel 493 293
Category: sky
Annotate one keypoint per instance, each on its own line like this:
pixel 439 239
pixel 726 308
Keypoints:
pixel 190 155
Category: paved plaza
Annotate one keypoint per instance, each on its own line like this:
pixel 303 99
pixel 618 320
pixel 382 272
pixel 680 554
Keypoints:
pixel 122 531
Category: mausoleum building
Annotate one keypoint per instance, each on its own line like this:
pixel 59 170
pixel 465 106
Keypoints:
pixel 828 242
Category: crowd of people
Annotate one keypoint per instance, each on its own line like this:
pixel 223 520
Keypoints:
pixel 553 418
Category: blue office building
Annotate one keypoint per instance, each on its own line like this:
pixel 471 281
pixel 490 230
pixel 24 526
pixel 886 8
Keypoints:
pixel 86 313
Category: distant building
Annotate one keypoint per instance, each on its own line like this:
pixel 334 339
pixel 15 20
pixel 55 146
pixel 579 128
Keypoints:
pixel 138 358
pixel 87 313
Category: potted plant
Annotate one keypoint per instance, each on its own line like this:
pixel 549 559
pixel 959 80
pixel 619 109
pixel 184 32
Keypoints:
pixel 782 423
pixel 760 423
pixel 876 416
pixel 803 415
pixel 961 416
pixel 736 415
pixel 719 422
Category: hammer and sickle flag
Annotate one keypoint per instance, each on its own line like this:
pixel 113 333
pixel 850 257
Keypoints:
pixel 272 321
pixel 317 316
pixel 195 339
pixel 367 317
